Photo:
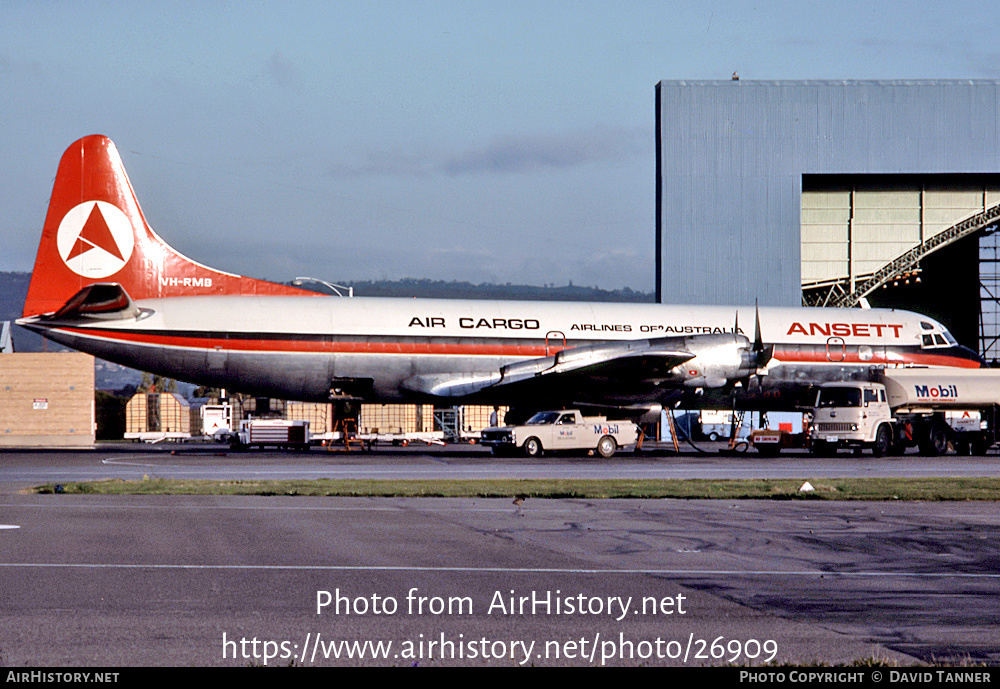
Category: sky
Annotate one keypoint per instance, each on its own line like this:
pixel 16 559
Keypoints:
pixel 473 141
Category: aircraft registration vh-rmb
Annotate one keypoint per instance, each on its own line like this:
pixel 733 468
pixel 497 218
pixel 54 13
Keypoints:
pixel 106 284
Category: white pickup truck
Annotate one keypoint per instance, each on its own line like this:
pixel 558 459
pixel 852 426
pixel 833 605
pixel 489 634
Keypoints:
pixel 562 430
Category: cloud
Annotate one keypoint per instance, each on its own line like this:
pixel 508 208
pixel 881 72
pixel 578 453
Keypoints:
pixel 508 154
pixel 526 153
pixel 389 163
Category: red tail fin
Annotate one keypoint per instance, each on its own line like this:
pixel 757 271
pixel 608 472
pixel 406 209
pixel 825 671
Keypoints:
pixel 95 232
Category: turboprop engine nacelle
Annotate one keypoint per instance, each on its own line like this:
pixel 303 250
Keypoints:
pixel 719 360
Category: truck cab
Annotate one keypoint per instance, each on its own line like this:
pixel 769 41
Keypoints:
pixel 852 414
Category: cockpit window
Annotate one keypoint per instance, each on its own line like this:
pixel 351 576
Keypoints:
pixel 937 337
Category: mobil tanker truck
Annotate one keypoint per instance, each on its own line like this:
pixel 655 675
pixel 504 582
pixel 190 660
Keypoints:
pixel 928 408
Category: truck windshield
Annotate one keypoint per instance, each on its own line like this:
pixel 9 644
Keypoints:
pixel 839 397
pixel 543 417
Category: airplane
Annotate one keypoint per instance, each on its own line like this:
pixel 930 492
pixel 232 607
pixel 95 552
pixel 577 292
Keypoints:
pixel 106 284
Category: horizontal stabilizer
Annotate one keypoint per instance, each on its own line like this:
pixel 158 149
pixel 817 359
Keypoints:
pixel 100 301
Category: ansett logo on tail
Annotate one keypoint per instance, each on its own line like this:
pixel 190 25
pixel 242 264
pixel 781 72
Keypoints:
pixel 95 239
pixel 936 392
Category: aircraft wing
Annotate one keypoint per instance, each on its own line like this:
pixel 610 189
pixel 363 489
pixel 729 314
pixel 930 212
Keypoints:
pixel 710 361
pixel 634 360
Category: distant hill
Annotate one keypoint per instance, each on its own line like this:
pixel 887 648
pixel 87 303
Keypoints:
pixel 441 289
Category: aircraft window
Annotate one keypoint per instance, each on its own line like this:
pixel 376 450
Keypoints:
pixel 928 341
pixel 926 326
pixel 951 340
pixel 839 397
pixel 939 339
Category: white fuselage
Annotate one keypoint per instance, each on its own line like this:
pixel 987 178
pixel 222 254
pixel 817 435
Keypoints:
pixel 302 348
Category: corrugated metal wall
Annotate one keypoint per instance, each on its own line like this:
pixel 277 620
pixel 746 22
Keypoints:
pixel 731 155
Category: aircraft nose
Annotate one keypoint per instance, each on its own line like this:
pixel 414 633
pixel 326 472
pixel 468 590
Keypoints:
pixel 970 354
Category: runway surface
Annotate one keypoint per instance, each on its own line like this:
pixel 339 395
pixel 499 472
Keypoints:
pixel 92 580
pixel 217 462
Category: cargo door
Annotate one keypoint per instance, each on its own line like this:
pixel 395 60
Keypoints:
pixel 836 350
pixel 555 341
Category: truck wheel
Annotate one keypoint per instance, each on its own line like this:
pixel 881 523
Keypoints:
pixel 606 446
pixel 823 449
pixel 935 443
pixel 883 441
pixel 532 447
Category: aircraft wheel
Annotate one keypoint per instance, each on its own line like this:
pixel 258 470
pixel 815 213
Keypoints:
pixel 606 446
pixel 532 447
pixel 883 441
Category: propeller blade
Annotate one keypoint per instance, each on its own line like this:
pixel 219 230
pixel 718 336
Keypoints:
pixel 762 354
pixel 758 343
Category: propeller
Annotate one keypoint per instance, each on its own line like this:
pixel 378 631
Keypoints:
pixel 761 355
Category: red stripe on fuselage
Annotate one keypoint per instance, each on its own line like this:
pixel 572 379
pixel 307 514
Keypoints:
pixel 898 356
pixel 318 346
pixel 911 357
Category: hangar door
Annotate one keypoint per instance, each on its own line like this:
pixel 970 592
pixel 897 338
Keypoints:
pixel 855 225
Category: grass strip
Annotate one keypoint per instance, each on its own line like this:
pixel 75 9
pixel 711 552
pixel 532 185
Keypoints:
pixel 928 489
